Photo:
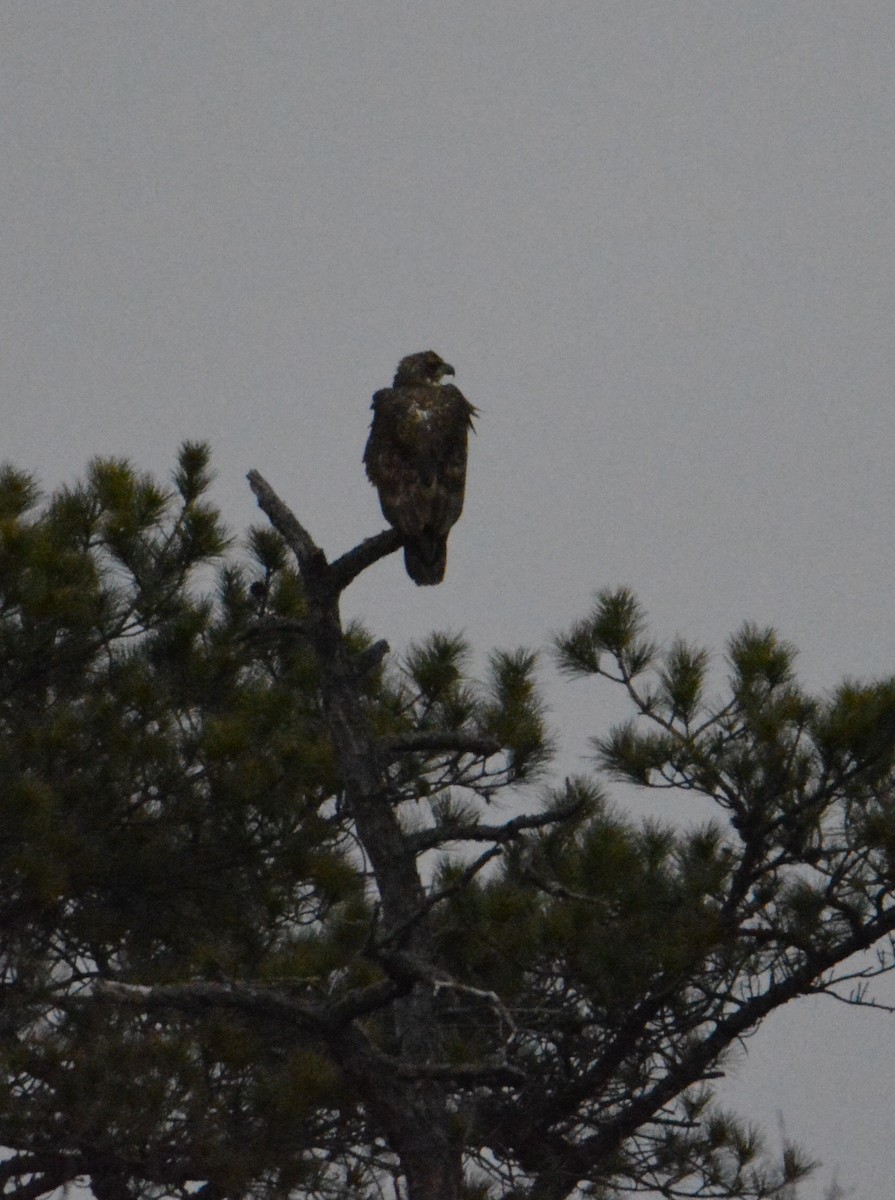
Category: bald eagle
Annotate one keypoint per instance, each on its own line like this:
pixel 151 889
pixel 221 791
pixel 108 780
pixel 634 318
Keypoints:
pixel 416 459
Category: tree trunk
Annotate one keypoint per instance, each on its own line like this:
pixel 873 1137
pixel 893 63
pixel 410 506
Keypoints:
pixel 416 1116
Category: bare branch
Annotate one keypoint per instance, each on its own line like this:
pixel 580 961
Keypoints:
pixel 47 1171
pixel 347 567
pixel 492 998
pixel 363 1001
pixel 43 1185
pixel 458 741
pixel 310 556
pixel 473 831
pixel 271 626
pixel 311 559
pixel 469 1074
pixel 199 996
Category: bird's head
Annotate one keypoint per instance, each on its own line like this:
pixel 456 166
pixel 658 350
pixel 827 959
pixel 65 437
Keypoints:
pixel 425 367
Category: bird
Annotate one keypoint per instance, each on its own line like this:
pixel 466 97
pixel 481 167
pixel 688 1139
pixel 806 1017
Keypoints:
pixel 416 459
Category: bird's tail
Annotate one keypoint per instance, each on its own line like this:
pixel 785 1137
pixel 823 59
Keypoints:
pixel 425 558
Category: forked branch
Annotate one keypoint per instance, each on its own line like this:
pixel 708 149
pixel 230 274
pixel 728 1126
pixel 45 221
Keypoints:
pixel 336 576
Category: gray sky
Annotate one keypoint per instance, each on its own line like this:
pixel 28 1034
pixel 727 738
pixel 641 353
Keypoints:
pixel 654 238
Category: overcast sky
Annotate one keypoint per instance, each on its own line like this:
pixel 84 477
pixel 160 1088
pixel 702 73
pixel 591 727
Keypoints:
pixel 655 239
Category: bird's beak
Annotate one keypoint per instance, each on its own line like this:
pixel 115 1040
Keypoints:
pixel 447 369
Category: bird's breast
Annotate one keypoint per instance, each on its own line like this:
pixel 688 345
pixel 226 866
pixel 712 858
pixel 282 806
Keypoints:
pixel 420 414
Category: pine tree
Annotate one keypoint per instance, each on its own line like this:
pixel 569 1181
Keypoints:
pixel 267 930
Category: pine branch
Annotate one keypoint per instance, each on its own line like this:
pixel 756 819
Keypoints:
pixel 693 1065
pixel 369 660
pixel 398 934
pixel 45 1164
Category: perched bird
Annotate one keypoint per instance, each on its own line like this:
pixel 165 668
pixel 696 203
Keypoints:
pixel 416 459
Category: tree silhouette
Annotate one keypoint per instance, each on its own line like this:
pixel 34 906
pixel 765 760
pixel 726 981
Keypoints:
pixel 267 928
